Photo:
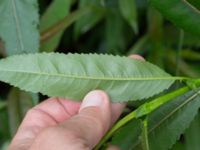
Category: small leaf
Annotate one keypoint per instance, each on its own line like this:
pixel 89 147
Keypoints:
pixel 83 24
pixel 129 12
pixel 18 104
pixel 114 32
pixel 57 11
pixel 63 24
pixel 18 27
pixel 74 75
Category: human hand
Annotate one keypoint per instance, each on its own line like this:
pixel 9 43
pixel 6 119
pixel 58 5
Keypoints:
pixel 60 124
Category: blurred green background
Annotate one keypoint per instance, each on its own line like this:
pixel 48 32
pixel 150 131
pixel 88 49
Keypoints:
pixel 119 27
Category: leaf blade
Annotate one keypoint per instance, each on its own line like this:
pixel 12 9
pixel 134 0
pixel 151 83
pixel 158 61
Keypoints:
pixel 74 75
pixel 61 9
pixel 165 128
pixel 129 12
pixel 176 11
pixel 16 17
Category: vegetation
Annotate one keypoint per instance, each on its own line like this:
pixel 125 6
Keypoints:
pixel 163 106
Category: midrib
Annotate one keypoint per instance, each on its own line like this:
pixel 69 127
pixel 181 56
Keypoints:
pixel 96 77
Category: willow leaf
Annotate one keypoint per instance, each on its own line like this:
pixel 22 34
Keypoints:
pixel 192 136
pixel 85 23
pixel 177 11
pixel 129 12
pixel 73 75
pixel 165 125
pixel 18 27
pixel 170 121
pixel 57 11
pixel 124 139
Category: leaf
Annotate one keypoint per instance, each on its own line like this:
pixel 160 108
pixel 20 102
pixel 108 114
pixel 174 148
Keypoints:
pixel 191 136
pixel 2 105
pixel 178 146
pixel 19 103
pixel 195 3
pixel 18 27
pixel 74 75
pixel 5 145
pixel 4 126
pixel 168 122
pixel 128 135
pixel 63 24
pixel 139 46
pixel 129 12
pixel 177 11
pixel 85 23
pixel 114 32
pixel 57 11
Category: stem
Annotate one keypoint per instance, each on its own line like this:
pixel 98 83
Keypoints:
pixel 144 110
pixel 145 140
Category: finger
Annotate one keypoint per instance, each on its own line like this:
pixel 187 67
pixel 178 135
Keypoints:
pixel 135 56
pixel 82 131
pixel 117 109
pixel 48 113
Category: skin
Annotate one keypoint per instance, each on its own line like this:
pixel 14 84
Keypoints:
pixel 64 124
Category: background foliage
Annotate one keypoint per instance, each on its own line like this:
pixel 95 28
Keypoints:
pixel 165 33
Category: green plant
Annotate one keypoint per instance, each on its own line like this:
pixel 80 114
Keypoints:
pixel 161 106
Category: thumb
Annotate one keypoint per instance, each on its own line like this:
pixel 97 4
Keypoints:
pixel 82 131
pixel 92 121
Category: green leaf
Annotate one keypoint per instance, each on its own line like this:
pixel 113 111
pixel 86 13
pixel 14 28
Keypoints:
pixel 85 23
pixel 57 11
pixel 178 146
pixel 5 145
pixel 114 32
pixel 63 24
pixel 170 121
pixel 181 13
pixel 74 75
pixel 4 126
pixel 192 136
pixel 196 3
pixel 126 137
pixel 2 105
pixel 19 102
pixel 18 27
pixel 129 12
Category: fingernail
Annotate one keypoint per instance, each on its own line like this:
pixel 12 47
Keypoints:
pixel 94 98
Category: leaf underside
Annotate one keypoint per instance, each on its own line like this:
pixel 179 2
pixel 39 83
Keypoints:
pixel 74 75
pixel 18 27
